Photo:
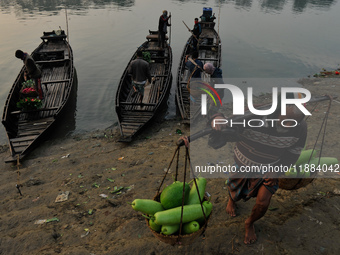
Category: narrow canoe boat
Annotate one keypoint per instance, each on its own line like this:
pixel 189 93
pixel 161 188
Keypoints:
pixel 209 49
pixel 131 117
pixel 26 128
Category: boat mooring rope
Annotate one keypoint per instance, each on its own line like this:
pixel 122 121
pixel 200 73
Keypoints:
pixel 170 30
pixel 18 185
pixel 219 15
pixel 68 38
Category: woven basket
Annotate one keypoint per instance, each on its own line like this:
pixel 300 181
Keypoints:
pixel 294 183
pixel 178 239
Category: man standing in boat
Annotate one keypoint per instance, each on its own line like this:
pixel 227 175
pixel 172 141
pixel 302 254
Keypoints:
pixel 197 30
pixel 140 71
pixel 162 28
pixel 32 71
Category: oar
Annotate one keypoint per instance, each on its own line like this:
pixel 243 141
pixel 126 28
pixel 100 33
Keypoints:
pixel 190 31
pixel 192 61
pixel 229 131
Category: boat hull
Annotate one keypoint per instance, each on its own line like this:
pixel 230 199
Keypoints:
pixel 132 117
pixel 209 49
pixel 25 129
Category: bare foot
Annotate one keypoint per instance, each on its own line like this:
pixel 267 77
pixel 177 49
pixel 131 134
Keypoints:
pixel 250 236
pixel 231 208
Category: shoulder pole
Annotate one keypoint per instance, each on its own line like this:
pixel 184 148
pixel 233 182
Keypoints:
pixel 232 131
pixel 170 30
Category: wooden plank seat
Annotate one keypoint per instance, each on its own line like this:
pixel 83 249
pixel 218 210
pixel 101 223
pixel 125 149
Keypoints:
pixel 154 37
pixel 55 51
pixel 209 45
pixel 51 51
pixel 158 57
pixel 53 37
pixel 132 124
pixel 140 110
pixel 37 110
pixel 19 149
pixel 159 75
pixel 130 103
pixel 208 59
pixel 52 61
pixel 55 81
pixel 155 48
pixel 23 139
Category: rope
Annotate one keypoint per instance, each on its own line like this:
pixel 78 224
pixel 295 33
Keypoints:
pixel 18 185
pixel 218 23
pixel 312 111
pixel 176 151
pixel 170 30
pixel 68 38
pixel 176 176
pixel 201 198
pixel 183 194
pixel 323 125
pixel 186 164
pixel 324 131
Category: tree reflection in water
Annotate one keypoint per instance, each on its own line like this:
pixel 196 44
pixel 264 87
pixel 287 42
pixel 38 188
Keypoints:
pixel 38 7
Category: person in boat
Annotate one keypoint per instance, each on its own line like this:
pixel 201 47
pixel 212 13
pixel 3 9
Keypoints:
pixel 163 24
pixel 215 78
pixel 139 69
pixel 206 18
pixel 274 145
pixel 32 70
pixel 194 65
pixel 197 30
pixel 214 72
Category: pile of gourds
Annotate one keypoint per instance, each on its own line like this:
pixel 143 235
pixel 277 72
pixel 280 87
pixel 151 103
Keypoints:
pixel 165 216
pixel 308 163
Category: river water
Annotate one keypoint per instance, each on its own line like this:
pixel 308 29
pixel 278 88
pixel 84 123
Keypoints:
pixel 285 39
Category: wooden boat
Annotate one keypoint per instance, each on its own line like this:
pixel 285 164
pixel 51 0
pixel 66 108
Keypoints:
pixel 26 128
pixel 131 117
pixel 209 49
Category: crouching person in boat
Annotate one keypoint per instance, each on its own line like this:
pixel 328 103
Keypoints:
pixel 273 145
pixel 215 78
pixel 32 71
pixel 140 71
